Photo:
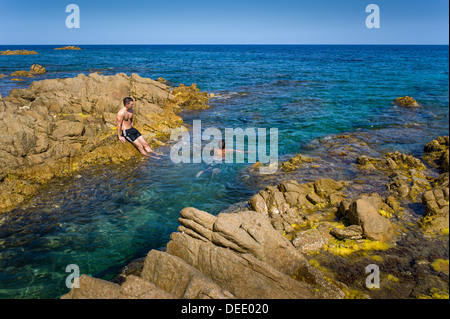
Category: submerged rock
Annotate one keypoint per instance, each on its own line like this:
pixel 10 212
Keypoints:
pixel 294 163
pixel 22 74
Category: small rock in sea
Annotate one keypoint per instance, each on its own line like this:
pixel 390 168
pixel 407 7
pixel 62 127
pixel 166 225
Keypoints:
pixel 406 101
pixel 37 69
pixel 22 73
pixel 70 47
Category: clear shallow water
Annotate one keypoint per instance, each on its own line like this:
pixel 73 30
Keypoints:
pixel 107 216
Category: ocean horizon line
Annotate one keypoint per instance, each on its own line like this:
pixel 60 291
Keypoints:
pixel 224 44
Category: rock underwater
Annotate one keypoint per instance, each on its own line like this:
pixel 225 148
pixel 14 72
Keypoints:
pixel 58 126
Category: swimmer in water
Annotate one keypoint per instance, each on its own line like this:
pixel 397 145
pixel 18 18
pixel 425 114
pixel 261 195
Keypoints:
pixel 219 155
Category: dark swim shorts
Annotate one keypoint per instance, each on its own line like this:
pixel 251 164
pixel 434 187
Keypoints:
pixel 131 135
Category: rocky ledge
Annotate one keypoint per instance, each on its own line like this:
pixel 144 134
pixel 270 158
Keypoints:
pixel 58 126
pixel 238 255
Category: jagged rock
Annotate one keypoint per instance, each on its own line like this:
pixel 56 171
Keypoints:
pixel 276 203
pixel 246 256
pixel 436 204
pixel 190 97
pixel 137 288
pixel 134 268
pixel 344 207
pixel 353 232
pixel 133 288
pixel 315 200
pixel 37 69
pixel 391 161
pixel 375 226
pixel 309 241
pixel 327 186
pixel 407 178
pixel 174 275
pixel 294 163
pixel 438 151
pixel 231 255
pixel 258 204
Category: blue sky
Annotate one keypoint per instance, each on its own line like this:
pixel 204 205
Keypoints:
pixel 224 22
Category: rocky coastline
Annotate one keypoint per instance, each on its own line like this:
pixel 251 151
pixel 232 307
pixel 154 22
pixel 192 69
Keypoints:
pixel 57 127
pixel 291 240
pixel 308 240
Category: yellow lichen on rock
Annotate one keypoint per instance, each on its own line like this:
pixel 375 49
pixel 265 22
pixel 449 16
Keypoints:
pixel 441 265
pixel 346 247
pixel 435 294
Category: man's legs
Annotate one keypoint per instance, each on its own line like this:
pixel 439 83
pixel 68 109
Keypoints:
pixel 141 144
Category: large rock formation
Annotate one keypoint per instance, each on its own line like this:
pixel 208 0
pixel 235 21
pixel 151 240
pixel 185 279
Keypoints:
pixel 237 255
pixel 58 126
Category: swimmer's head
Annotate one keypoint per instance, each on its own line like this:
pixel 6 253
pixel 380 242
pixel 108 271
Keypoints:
pixel 222 144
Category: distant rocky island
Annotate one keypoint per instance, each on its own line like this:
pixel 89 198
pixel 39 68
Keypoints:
pixel 18 52
pixel 70 47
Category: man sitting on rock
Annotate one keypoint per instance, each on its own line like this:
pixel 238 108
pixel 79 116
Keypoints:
pixel 126 131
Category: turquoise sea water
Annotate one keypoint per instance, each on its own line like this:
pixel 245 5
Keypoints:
pixel 106 216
